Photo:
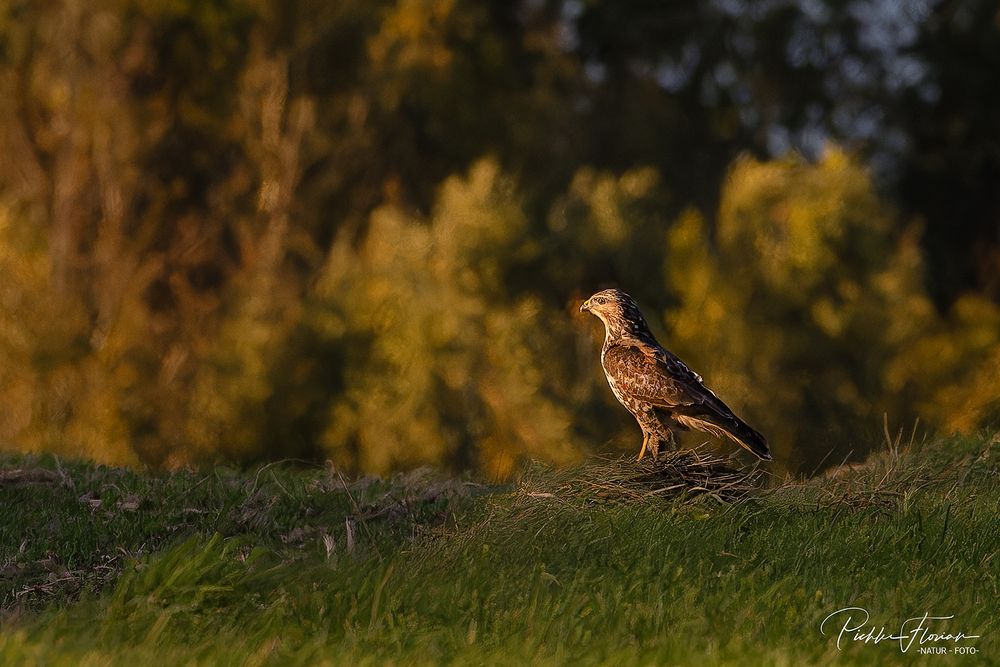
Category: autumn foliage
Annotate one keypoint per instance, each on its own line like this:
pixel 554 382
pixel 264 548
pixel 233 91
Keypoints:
pixel 228 232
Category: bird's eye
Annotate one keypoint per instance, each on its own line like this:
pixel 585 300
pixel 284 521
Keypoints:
pixel 599 300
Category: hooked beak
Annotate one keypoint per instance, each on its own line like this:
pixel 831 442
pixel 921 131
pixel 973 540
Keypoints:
pixel 585 307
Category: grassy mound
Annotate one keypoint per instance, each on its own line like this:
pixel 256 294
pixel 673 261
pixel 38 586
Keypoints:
pixel 686 474
pixel 609 563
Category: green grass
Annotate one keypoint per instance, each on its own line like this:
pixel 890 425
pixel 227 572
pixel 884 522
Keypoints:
pixel 288 566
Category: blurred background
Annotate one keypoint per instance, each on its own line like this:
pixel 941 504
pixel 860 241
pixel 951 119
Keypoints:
pixel 238 230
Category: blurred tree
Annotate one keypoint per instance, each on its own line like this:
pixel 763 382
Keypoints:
pixel 413 91
pixel 820 309
pixel 241 229
pixel 950 176
pixel 138 173
pixel 951 369
pixel 452 366
pixel 911 84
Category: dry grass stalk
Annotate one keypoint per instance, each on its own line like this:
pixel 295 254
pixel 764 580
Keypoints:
pixel 688 473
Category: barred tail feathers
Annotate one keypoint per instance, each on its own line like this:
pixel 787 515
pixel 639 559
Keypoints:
pixel 733 428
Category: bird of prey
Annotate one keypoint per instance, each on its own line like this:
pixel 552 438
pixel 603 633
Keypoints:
pixel 660 391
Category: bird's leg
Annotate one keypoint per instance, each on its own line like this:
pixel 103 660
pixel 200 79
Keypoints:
pixel 664 438
pixel 645 441
pixel 671 440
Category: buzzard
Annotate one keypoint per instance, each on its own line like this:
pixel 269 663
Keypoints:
pixel 660 391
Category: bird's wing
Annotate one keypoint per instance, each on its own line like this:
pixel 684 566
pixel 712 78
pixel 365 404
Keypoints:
pixel 655 376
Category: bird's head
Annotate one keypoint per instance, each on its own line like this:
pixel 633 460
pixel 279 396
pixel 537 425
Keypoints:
pixel 617 310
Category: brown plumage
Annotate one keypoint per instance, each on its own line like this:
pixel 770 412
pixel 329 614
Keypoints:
pixel 660 391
